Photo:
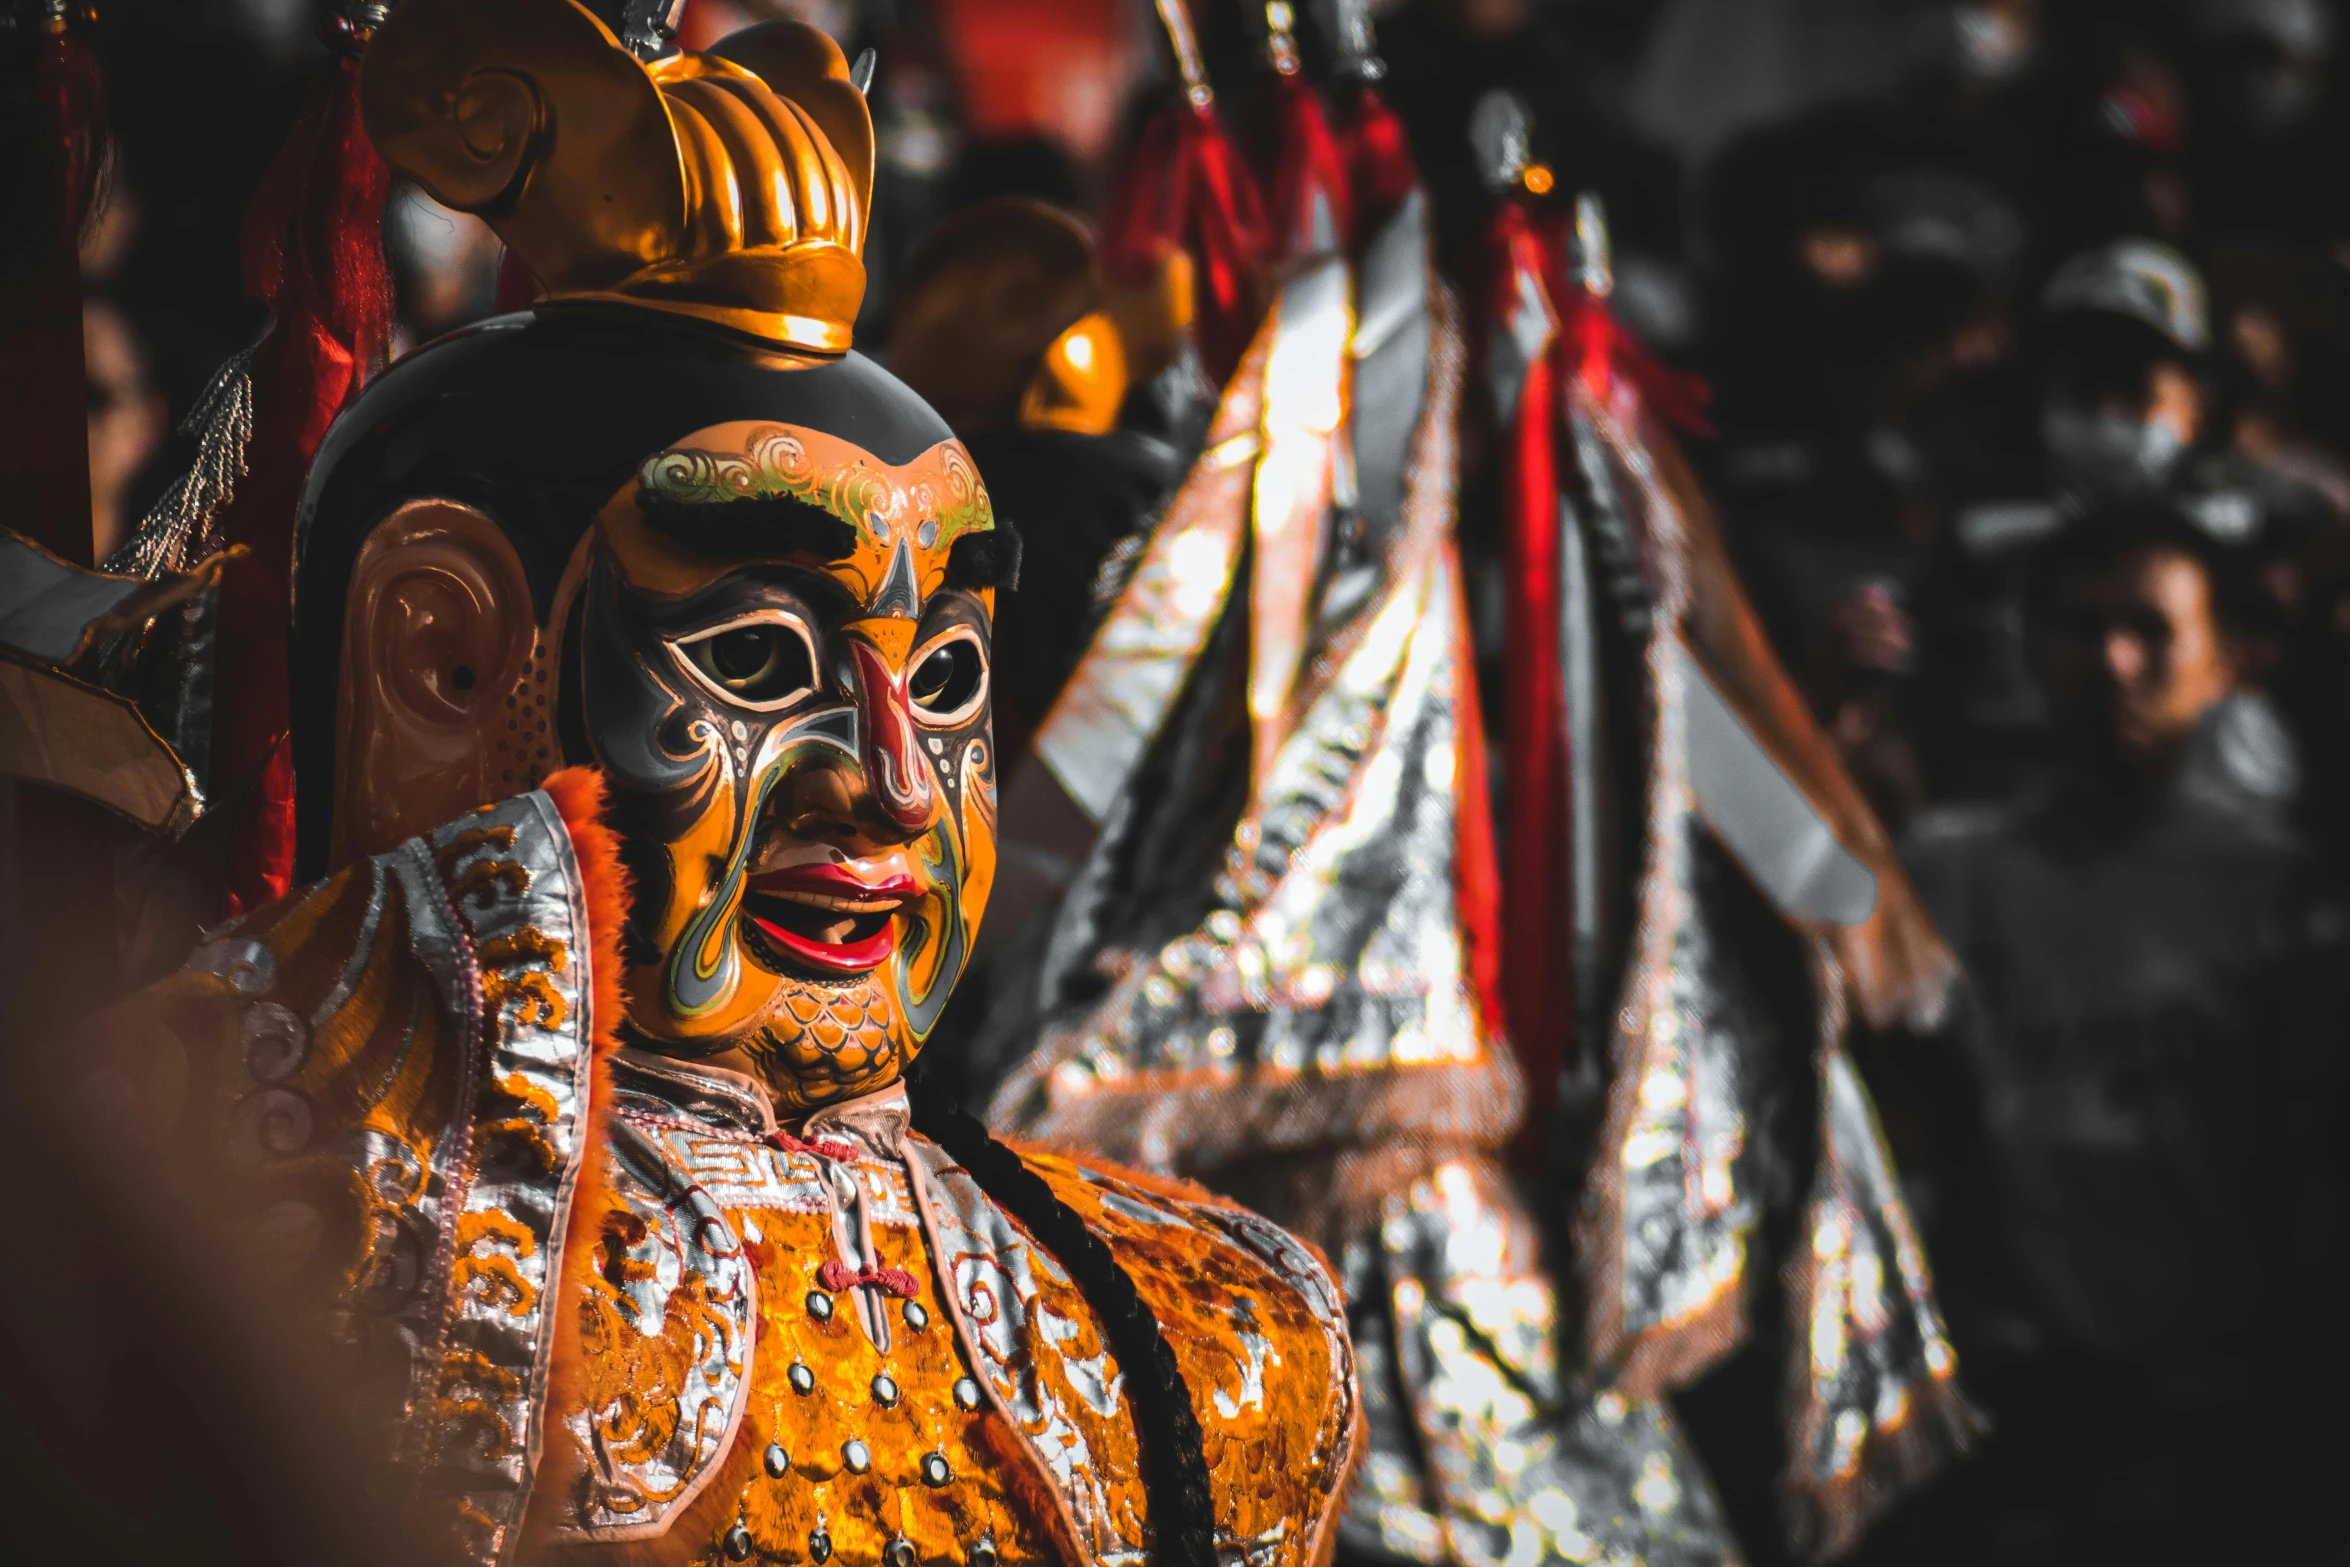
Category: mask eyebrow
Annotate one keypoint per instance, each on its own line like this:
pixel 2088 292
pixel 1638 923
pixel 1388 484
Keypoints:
pixel 986 560
pixel 751 527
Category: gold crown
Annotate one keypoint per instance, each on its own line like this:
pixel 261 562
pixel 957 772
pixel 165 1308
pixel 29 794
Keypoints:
pixel 730 185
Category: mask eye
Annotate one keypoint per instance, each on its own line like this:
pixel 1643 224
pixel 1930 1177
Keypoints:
pixel 949 679
pixel 762 664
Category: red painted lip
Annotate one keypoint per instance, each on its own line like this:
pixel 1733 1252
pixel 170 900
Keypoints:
pixel 853 957
pixel 883 897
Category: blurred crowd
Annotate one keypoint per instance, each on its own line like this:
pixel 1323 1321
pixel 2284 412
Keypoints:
pixel 2028 328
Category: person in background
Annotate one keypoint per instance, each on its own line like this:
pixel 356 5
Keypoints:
pixel 2117 407
pixel 1868 381
pixel 2123 1112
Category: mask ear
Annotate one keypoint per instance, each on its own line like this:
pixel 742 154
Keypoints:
pixel 445 701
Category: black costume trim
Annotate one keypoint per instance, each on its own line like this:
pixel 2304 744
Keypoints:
pixel 1174 1463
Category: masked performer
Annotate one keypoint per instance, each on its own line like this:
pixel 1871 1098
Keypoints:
pixel 683 1272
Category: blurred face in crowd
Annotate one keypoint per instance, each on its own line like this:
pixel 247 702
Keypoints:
pixel 2138 654
pixel 2119 413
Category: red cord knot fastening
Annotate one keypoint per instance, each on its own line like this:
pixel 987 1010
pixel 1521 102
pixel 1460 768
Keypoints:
pixel 837 1275
pixel 822 1148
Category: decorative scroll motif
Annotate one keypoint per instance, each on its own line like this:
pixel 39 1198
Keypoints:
pixel 722 1307
pixel 1520 1470
pixel 931 509
pixel 674 1298
pixel 520 907
pixel 415 1041
pixel 737 1173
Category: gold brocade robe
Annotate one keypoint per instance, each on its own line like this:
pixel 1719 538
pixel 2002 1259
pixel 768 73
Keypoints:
pixel 587 1299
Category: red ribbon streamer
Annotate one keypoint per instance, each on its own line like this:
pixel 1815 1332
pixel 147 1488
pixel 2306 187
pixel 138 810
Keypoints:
pixel 1538 929
pixel 1378 159
pixel 1186 188
pixel 1308 169
pixel 313 250
pixel 1603 350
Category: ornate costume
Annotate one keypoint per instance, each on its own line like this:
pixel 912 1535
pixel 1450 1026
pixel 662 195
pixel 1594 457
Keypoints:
pixel 579 1118
pixel 1278 966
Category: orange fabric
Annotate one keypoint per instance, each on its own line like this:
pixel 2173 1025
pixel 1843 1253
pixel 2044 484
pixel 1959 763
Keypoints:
pixel 1276 1438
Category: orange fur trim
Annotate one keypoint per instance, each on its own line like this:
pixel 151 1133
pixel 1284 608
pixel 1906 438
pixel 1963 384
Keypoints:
pixel 578 795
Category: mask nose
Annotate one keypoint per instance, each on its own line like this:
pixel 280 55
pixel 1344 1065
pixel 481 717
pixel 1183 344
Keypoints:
pixel 892 752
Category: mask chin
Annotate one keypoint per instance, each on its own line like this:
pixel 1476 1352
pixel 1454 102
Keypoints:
pixel 2109 453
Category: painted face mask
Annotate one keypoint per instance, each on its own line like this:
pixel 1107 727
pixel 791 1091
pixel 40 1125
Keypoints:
pixel 783 666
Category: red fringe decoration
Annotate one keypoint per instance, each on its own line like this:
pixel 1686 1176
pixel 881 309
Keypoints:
pixel 44 401
pixel 1308 170
pixel 1378 159
pixel 1186 188
pixel 313 250
pixel 1538 922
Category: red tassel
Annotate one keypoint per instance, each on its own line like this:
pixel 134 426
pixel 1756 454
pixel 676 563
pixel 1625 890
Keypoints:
pixel 314 251
pixel 1313 197
pixel 73 96
pixel 1186 188
pixel 1378 159
pixel 1603 350
pixel 314 234
pixel 44 400
pixel 1538 925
